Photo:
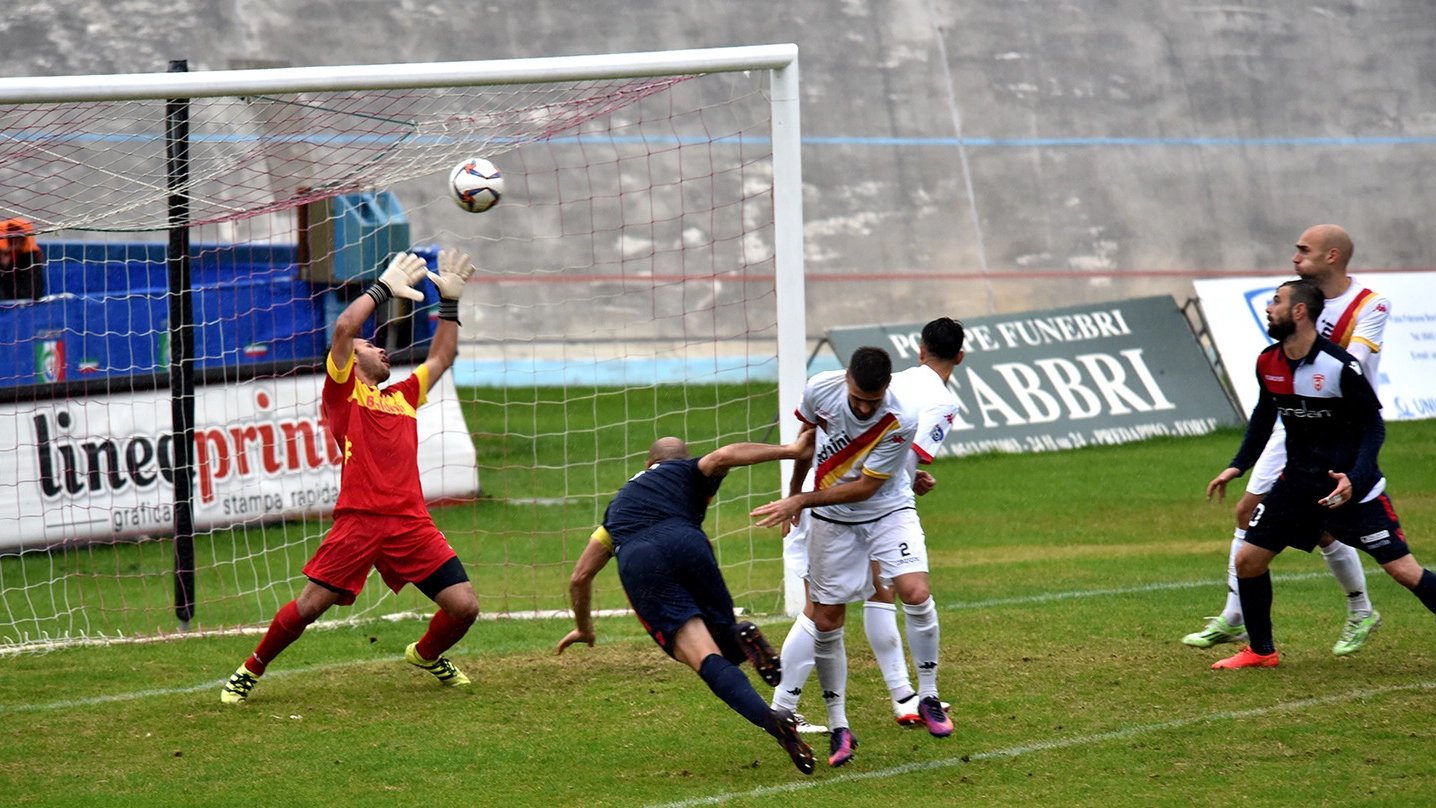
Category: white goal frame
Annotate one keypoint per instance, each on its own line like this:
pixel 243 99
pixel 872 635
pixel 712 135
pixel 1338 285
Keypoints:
pixel 781 61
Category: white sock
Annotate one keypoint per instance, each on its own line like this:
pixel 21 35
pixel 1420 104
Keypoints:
pixel 1345 563
pixel 923 635
pixel 832 665
pixel 1233 611
pixel 880 624
pixel 799 651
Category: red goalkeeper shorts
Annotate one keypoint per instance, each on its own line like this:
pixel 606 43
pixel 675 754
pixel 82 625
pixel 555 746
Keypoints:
pixel 404 549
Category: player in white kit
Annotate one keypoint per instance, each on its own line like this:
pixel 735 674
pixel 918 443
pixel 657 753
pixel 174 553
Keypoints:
pixel 863 516
pixel 1353 317
pixel 922 393
pixel 922 390
pixel 863 450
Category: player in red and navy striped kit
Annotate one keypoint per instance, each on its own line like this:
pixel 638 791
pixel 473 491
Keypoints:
pixel 1331 482
pixel 380 519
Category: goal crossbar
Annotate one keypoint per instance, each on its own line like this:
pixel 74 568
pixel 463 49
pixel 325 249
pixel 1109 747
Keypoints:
pixel 217 83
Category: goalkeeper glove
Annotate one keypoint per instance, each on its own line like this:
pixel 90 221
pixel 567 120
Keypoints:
pixel 454 272
pixel 398 279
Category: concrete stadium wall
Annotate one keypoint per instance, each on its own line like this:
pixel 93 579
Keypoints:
pixel 960 158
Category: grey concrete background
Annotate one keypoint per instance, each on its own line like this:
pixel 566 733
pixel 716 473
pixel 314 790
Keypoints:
pixel 1039 152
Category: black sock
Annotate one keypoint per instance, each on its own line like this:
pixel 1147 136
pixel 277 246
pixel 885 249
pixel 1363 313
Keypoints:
pixel 731 684
pixel 1425 589
pixel 1256 611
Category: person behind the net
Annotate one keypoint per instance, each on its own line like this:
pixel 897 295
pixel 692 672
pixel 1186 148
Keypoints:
pixel 1331 483
pixel 1354 317
pixel 899 559
pixel 22 263
pixel 380 519
pixel 654 526
pixel 859 500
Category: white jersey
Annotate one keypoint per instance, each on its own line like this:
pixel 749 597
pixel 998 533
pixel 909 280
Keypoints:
pixel 1357 318
pixel 850 448
pixel 926 401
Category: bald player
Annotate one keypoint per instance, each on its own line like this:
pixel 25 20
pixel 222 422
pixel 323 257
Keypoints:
pixel 1353 317
pixel 654 526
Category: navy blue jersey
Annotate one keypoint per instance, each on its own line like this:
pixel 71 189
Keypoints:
pixel 671 489
pixel 1332 417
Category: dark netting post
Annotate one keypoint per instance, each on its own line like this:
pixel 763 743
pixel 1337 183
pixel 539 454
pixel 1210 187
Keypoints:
pixel 181 334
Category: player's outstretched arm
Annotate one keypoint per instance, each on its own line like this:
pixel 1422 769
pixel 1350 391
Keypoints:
pixel 717 462
pixel 580 593
pixel 789 508
pixel 397 280
pixel 454 271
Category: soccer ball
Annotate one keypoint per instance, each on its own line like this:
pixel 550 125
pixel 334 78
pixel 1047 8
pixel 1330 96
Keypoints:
pixel 476 185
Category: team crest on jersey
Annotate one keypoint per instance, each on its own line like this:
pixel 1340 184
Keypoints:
pixel 1318 380
pixel 937 434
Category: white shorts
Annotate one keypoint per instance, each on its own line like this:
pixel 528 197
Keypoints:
pixel 1268 467
pixel 838 568
pixel 795 547
pixel 898 545
pixel 840 556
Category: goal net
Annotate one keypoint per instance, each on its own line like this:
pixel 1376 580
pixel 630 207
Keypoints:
pixel 183 243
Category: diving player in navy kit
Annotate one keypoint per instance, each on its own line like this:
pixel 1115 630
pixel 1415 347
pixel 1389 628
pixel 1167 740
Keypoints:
pixel 654 526
pixel 1334 433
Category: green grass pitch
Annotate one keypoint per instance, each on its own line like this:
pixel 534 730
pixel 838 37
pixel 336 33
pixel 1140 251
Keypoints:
pixel 1065 582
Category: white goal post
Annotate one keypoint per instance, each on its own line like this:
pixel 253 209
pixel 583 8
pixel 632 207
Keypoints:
pixel 86 211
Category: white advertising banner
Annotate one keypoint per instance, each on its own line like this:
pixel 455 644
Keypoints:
pixel 1236 314
pixel 102 467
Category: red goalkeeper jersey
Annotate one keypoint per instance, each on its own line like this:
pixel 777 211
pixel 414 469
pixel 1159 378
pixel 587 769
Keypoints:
pixel 378 432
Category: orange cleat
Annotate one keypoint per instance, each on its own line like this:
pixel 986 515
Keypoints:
pixel 1247 658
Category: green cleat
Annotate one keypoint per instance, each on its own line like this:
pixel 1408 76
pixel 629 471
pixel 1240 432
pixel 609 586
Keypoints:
pixel 1354 635
pixel 1216 632
pixel 236 690
pixel 442 668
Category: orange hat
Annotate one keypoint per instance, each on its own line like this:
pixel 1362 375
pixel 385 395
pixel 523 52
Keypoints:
pixel 20 228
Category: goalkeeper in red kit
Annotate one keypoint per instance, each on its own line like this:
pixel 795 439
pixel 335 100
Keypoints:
pixel 380 520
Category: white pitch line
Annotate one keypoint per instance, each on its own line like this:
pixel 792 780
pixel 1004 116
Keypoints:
pixel 46 645
pixel 1043 746
pixel 177 691
pixel 1131 590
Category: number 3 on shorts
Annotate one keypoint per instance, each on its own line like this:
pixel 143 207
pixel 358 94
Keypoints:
pixel 1256 515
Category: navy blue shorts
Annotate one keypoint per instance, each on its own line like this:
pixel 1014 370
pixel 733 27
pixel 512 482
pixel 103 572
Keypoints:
pixel 671 576
pixel 1291 516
